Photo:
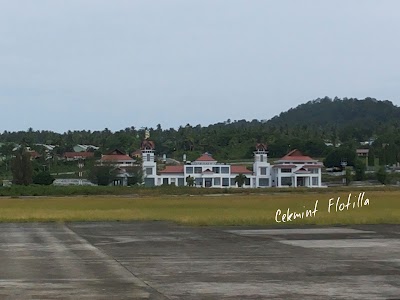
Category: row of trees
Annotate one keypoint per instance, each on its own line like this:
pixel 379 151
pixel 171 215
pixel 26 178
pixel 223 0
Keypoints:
pixel 381 175
pixel 24 172
pixel 307 127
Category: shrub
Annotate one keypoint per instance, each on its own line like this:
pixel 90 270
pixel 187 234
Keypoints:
pixel 381 175
pixel 43 178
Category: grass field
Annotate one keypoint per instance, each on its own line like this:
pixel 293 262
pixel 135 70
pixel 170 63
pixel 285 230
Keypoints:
pixel 252 209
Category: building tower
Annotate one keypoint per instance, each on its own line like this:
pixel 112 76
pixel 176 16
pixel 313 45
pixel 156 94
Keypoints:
pixel 261 167
pixel 148 163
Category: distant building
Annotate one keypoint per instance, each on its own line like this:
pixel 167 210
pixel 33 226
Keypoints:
pixel 137 154
pixel 363 154
pixel 33 154
pixel 294 169
pixel 46 147
pixel 84 148
pixel 70 156
pixel 117 158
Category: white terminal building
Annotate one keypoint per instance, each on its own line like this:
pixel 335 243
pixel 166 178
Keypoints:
pixel 292 170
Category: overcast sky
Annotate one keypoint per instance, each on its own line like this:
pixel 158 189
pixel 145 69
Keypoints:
pixel 81 64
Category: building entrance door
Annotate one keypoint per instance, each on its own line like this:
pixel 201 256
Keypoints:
pixel 208 182
pixel 300 181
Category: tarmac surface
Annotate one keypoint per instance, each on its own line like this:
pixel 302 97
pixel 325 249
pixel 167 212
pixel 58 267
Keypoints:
pixel 160 260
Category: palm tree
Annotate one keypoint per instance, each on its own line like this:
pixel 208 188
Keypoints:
pixel 190 181
pixel 240 179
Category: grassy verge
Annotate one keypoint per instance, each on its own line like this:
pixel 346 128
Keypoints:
pixel 241 209
pixel 38 190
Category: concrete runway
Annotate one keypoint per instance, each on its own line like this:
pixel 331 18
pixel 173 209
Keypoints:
pixel 159 260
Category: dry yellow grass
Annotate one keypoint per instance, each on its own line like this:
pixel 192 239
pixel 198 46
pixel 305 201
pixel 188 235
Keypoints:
pixel 384 207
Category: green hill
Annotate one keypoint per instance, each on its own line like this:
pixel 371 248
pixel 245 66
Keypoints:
pixel 327 112
pixel 309 127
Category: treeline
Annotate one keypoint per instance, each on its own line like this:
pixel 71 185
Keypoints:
pixel 317 128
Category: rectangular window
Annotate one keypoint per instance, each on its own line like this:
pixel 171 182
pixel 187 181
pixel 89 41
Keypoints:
pixel 149 171
pixel 263 182
pixel 197 170
pixel 233 182
pixel 286 170
pixel 286 181
pixel 263 171
pixel 217 181
pixel 216 170
pixel 189 170
pixel 225 181
pixel 199 181
pixel 261 158
pixel 225 170
pixel 247 181
pixel 315 181
pixel 165 181
pixel 181 182
pixel 148 157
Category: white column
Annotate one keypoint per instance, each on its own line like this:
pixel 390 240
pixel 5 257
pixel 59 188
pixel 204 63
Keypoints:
pixel 319 177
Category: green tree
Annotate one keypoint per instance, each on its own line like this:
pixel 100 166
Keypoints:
pixel 190 180
pixel 336 156
pixel 6 151
pixel 21 167
pixel 136 175
pixel 359 167
pixel 43 178
pixel 240 179
pixel 381 175
pixel 348 176
pixel 101 175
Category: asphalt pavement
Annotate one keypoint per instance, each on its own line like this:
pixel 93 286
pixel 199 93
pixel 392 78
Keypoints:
pixel 161 260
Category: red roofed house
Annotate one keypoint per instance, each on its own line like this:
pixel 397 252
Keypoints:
pixel 296 169
pixel 69 156
pixel 33 154
pixel 117 158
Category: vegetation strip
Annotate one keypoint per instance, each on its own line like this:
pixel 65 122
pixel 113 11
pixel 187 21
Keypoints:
pixel 41 190
pixel 237 209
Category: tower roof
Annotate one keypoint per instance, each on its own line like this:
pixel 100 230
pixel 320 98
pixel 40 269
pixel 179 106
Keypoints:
pixel 261 147
pixel 206 157
pixel 147 145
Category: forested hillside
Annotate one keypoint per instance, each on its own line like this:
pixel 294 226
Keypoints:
pixel 308 127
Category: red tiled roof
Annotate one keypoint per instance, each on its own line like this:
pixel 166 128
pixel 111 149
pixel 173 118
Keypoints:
pixel 206 157
pixel 78 154
pixel 137 153
pixel 116 152
pixel 284 166
pixel 34 154
pixel 302 170
pixel 240 169
pixel 172 169
pixel 296 155
pixel 362 151
pixel 115 157
pixel 313 166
